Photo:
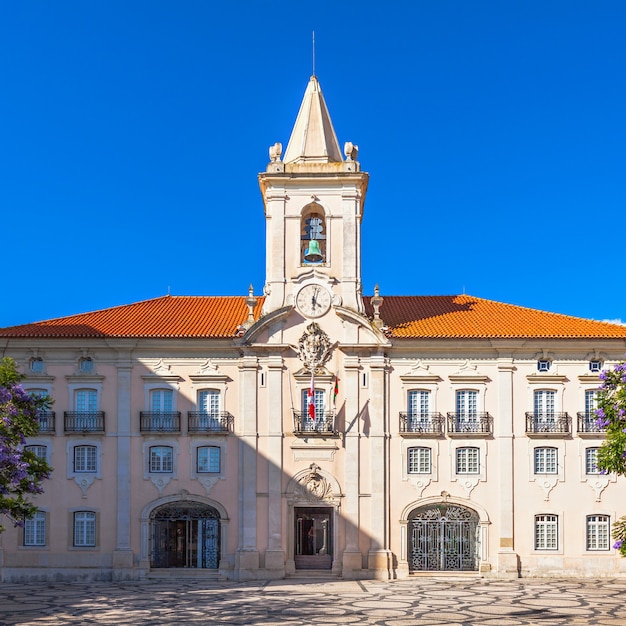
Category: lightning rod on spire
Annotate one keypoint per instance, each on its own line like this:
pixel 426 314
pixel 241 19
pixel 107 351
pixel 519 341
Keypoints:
pixel 313 54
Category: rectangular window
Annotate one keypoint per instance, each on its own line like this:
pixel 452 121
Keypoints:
pixel 467 461
pixel 208 460
pixel 40 452
pixel 546 460
pixel 419 460
pixel 35 530
pixel 86 400
pixel 319 402
pixel 161 460
pixel 591 460
pixel 546 532
pixel 85 529
pixel 161 400
pixel 466 403
pixel 591 403
pixel 544 403
pixel 419 404
pixel 85 459
pixel 209 401
pixel 598 532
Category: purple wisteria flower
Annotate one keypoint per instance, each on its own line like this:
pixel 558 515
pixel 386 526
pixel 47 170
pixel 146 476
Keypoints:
pixel 618 544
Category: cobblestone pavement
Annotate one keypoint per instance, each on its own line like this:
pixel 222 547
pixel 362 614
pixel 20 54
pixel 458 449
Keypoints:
pixel 420 602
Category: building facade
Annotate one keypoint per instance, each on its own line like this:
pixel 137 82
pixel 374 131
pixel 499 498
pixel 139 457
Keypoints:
pixel 314 428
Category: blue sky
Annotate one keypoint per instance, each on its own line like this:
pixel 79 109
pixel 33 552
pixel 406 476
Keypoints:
pixel 132 133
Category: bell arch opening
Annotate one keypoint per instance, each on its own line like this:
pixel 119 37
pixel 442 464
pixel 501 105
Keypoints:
pixel 313 235
pixel 185 535
pixel 443 537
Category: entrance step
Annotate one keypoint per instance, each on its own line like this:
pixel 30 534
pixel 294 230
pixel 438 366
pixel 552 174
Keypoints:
pixel 321 574
pixel 186 574
pixel 313 561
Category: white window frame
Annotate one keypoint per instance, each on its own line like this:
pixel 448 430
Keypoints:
pixel 151 467
pixel 423 461
pixel 546 460
pixel 597 533
pixel 546 532
pixel 87 461
pixel 35 530
pixel 209 448
pixel 161 400
pixel 471 465
pixel 319 401
pixel 84 529
pixel 37 448
pixel 591 451
pixel 160 478
pixel 83 478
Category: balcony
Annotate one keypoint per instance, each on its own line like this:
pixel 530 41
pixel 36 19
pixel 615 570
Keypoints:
pixel 159 421
pixel 210 423
pixel 46 421
pixel 84 421
pixel 548 424
pixel 322 425
pixel 421 424
pixel 587 427
pixel 470 425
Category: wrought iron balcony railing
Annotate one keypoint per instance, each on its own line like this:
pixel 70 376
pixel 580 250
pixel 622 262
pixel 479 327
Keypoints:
pixel 84 421
pixel 203 422
pixel 159 421
pixel 470 423
pixel 322 424
pixel 587 423
pixel 46 421
pixel 548 423
pixel 422 423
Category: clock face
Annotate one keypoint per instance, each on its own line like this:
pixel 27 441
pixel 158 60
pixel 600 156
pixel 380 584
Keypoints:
pixel 313 300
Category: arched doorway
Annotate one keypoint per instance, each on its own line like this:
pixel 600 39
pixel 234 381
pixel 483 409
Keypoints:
pixel 443 537
pixel 185 534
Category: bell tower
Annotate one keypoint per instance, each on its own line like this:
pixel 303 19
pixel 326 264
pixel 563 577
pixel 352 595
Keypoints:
pixel 313 199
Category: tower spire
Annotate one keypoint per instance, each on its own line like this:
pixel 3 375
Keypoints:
pixel 313 138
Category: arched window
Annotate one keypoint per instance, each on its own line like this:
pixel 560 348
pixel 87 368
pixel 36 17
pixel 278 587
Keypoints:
pixel 313 235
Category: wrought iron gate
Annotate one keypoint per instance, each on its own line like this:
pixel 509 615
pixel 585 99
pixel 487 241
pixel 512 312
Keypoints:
pixel 185 534
pixel 443 537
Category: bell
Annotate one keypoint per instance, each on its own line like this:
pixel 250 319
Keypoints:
pixel 313 254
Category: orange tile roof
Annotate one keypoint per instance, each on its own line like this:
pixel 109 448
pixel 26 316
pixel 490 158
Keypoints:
pixel 167 316
pixel 468 317
pixel 410 317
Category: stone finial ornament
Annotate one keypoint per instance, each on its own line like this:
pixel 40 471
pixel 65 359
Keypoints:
pixel 351 151
pixel 276 152
pixel 376 302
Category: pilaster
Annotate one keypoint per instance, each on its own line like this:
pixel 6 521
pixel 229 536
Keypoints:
pixel 508 561
pixel 379 556
pixel 247 555
pixel 352 557
pixel 275 555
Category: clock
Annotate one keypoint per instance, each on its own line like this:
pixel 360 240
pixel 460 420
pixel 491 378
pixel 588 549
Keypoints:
pixel 313 300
